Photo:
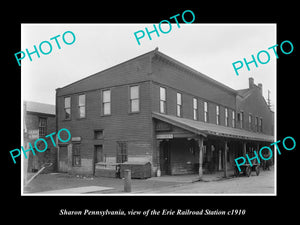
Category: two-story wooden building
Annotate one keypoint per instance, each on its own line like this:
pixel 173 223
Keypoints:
pixel 155 109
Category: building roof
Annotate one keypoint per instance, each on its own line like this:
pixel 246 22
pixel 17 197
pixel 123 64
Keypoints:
pixel 156 53
pixel 206 129
pixel 38 107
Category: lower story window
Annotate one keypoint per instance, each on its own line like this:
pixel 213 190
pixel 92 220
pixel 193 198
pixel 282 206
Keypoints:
pixel 76 155
pixel 122 155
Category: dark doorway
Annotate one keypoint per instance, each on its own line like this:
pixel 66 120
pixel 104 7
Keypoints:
pixel 165 159
pixel 98 156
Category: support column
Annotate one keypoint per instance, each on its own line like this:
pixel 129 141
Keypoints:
pixel 225 159
pixel 158 171
pixel 244 149
pixel 200 144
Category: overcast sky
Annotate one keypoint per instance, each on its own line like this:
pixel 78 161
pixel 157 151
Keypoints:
pixel 208 48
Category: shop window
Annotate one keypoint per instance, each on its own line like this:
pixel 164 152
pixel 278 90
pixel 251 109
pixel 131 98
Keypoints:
pixel 76 158
pixel 122 155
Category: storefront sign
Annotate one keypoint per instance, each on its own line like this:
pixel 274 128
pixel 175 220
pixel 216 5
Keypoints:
pixel 33 134
pixel 164 136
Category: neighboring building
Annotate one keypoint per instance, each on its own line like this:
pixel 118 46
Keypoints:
pixel 39 121
pixel 155 109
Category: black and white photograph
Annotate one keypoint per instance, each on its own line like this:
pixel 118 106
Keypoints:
pixel 139 114
pixel 160 120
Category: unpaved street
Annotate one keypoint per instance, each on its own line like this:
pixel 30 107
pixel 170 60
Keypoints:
pixel 262 184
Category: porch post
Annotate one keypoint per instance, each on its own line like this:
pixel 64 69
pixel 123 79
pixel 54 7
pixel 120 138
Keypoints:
pixel 200 144
pixel 225 159
pixel 244 148
pixel 158 142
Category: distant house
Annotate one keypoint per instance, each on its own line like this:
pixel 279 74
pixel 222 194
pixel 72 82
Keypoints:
pixel 39 121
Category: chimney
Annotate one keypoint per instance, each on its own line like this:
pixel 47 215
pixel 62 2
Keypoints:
pixel 251 82
pixel 260 88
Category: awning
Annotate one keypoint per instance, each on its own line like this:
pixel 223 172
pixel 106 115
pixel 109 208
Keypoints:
pixel 206 129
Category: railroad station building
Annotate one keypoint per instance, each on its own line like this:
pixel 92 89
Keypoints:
pixel 154 109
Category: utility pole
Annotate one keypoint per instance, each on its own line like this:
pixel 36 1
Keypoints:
pixel 269 100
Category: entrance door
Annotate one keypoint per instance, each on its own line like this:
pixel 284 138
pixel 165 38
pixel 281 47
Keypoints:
pixel 165 164
pixel 98 156
pixel 63 159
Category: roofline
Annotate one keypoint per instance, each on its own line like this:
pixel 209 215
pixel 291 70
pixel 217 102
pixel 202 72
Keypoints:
pixel 160 54
pixel 197 73
pixel 107 69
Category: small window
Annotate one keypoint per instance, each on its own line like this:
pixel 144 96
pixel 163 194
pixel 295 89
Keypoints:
pixel 195 109
pixel 256 124
pixel 122 152
pixel 42 126
pixel 134 99
pixel 76 155
pixel 260 125
pixel 250 122
pixel 67 108
pixel 218 115
pixel 179 104
pixel 226 118
pixel 205 112
pixel 98 134
pixel 162 100
pixel 233 118
pixel 81 106
pixel 106 102
pixel 241 120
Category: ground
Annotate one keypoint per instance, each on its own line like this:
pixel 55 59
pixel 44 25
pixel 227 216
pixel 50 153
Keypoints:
pixel 59 183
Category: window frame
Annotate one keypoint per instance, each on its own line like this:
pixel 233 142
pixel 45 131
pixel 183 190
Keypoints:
pixel 76 153
pixel 205 107
pixel 105 103
pixel 131 100
pixel 217 114
pixel 65 108
pixel 195 109
pixel 163 102
pixel 80 106
pixel 226 117
pixel 178 104
pixel 42 127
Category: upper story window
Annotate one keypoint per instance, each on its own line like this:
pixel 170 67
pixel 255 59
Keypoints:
pixel 218 115
pixel 179 104
pixel 67 108
pixel 241 119
pixel 42 126
pixel 250 122
pixel 233 118
pixel 205 112
pixel 106 102
pixel 195 109
pixel 226 117
pixel 260 125
pixel 134 99
pixel 162 100
pixel 256 124
pixel 81 106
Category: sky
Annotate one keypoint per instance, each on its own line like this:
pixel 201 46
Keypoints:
pixel 208 48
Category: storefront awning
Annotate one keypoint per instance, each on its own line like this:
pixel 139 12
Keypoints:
pixel 206 129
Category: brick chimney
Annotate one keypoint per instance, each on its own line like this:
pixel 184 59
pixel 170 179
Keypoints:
pixel 260 88
pixel 251 82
